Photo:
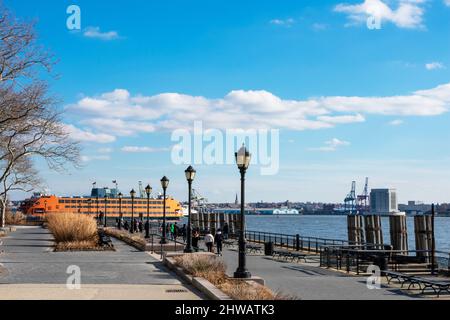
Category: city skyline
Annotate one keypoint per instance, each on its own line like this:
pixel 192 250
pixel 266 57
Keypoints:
pixel 350 101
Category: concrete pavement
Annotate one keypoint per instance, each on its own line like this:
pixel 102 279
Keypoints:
pixel 30 269
pixel 307 281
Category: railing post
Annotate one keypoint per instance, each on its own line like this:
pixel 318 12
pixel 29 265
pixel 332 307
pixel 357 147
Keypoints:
pixel 348 262
pixel 328 258
pixel 309 244
pixel 297 242
pixel 357 263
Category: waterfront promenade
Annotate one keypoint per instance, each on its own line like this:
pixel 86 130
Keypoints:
pixel 29 269
pixel 307 281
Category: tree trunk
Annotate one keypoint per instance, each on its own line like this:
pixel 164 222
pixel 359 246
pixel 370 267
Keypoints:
pixel 3 213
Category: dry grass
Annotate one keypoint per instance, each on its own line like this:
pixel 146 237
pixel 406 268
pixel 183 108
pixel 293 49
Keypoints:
pixel 214 270
pixel 17 218
pixel 73 230
pixel 125 236
pixel 205 266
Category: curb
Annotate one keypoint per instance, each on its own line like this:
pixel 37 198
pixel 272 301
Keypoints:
pixel 201 284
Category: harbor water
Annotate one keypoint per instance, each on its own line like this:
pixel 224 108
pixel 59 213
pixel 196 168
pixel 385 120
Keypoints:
pixel 335 227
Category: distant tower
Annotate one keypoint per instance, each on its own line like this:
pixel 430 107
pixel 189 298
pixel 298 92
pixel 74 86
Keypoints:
pixel 236 201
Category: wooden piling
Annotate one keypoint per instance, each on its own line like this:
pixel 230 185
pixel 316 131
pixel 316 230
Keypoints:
pixel 423 231
pixel 399 232
pixel 355 229
pixel 374 233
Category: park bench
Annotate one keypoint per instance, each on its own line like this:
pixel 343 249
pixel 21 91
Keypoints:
pixel 253 248
pixel 286 254
pixel 424 284
pixel 400 277
pixel 229 243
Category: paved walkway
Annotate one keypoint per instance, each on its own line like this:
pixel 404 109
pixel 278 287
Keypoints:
pixel 29 269
pixel 307 281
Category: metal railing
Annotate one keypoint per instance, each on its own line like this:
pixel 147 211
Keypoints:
pixel 358 258
pixel 294 242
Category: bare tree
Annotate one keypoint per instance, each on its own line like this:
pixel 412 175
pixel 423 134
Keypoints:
pixel 30 122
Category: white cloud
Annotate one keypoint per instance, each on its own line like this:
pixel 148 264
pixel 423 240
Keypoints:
pixel 408 14
pixel 434 65
pixel 342 119
pixel 332 145
pixel 396 122
pixel 119 127
pixel 88 136
pixel 283 22
pixel 96 33
pixel 118 113
pixel 105 150
pixel 134 149
pixel 447 3
pixel 95 158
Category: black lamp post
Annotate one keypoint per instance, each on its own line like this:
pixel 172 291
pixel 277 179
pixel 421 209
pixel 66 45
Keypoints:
pixel 433 242
pixel 120 195
pixel 243 158
pixel 89 201
pixel 133 194
pixel 98 214
pixel 190 175
pixel 148 190
pixel 164 185
pixel 106 200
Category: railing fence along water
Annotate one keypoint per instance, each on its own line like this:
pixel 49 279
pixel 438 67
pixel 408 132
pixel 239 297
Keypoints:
pixel 358 258
pixel 294 242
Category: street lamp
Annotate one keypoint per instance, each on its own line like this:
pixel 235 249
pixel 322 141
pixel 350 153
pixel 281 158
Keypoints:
pixel 89 201
pixel 148 190
pixel 190 175
pixel 120 195
pixel 164 185
pixel 106 199
pixel 98 214
pixel 243 158
pixel 133 194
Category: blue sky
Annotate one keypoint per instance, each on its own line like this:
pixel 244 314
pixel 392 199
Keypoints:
pixel 349 101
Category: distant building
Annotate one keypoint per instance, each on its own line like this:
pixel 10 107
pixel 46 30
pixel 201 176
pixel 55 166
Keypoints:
pixel 415 207
pixel 383 201
pixel 101 192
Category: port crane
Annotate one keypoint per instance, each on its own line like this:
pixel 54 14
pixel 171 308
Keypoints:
pixel 363 199
pixel 350 200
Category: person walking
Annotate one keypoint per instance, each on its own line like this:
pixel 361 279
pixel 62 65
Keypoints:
pixel 218 240
pixel 209 241
pixel 183 232
pixel 226 230
pixel 125 225
pixel 195 239
pixel 141 226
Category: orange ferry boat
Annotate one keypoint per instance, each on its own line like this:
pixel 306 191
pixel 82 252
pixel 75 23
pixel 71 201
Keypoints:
pixel 98 204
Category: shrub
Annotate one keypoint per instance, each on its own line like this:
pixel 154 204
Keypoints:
pixel 205 266
pixel 214 270
pixel 73 228
pixel 125 236
pixel 16 218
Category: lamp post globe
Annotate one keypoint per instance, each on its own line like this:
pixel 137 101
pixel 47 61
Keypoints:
pixel 190 175
pixel 243 158
pixel 164 185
